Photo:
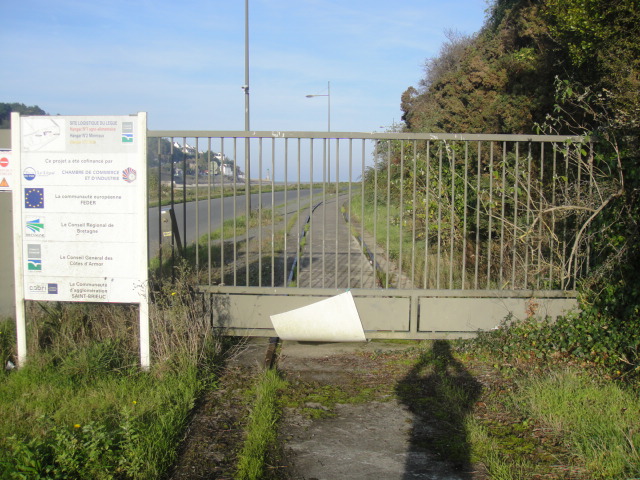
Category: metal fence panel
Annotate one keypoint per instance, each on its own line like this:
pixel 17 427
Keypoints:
pixel 381 212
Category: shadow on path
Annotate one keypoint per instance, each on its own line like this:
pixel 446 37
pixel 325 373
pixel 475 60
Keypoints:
pixel 440 393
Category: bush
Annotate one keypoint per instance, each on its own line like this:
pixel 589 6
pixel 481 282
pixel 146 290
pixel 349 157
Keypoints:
pixel 576 338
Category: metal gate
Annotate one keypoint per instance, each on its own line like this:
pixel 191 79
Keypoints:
pixel 436 235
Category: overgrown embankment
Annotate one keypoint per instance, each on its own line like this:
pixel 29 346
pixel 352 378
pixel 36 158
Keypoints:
pixel 81 407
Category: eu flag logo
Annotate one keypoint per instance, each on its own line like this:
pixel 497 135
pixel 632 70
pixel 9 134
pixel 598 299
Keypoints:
pixel 34 198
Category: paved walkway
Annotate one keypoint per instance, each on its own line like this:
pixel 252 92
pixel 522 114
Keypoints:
pixel 332 257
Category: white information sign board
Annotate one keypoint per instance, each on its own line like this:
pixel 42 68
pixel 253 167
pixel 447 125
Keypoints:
pixel 83 187
pixel 80 194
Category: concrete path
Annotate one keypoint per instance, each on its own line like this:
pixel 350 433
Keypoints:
pixel 332 257
pixel 375 440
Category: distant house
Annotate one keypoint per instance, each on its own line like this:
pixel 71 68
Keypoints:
pixel 187 149
pixel 227 169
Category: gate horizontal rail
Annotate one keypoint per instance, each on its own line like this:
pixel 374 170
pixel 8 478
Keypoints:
pixel 385 214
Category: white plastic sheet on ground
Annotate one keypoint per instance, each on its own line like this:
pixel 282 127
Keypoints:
pixel 334 319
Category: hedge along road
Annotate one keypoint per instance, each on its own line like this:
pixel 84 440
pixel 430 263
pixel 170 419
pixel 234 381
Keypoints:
pixel 216 213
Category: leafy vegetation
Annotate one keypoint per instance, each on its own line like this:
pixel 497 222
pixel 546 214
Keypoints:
pixel 566 67
pixel 7 108
pixel 81 407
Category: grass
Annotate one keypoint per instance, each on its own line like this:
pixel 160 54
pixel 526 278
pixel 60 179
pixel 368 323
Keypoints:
pixel 543 420
pixel 599 419
pixel 75 420
pixel 81 407
pixel 209 248
pixel 261 432
pixel 588 422
pixel 406 248
pixel 266 269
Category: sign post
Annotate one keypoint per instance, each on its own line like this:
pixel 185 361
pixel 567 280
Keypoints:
pixel 80 213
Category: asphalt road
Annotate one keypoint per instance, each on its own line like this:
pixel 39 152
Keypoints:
pixel 219 210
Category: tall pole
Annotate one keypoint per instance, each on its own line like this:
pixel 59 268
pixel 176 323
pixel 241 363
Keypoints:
pixel 329 130
pixel 247 166
pixel 328 106
pixel 328 95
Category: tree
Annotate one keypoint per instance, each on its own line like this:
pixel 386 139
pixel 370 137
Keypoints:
pixel 7 108
pixel 567 67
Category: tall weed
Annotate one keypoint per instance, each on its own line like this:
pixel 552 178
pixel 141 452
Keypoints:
pixel 81 407
pixel 601 420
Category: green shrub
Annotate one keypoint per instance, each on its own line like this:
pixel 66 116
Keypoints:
pixel 593 340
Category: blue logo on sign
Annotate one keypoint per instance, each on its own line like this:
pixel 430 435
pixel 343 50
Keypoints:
pixel 52 288
pixel 34 198
pixel 29 173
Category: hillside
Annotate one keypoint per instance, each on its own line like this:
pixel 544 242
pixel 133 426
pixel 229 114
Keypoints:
pixel 560 66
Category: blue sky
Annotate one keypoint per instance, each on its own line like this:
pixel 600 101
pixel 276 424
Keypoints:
pixel 183 62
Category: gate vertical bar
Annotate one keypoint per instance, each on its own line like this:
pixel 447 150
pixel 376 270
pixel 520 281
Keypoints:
pixel 247 208
pixel 540 209
pixel 478 177
pixel 160 207
pixel 197 216
pixel 209 211
pixel 172 203
pixel 388 252
pixel 299 229
pixel 440 195
pixel 565 268
pixel 490 214
pixel 273 212
pixel 502 213
pixel 184 193
pixel 375 204
pixel 362 187
pixel 310 232
pixel 325 165
pixel 401 214
pixel 260 211
pixel 515 218
pixel 554 174
pixel 286 208
pixel 414 204
pixel 576 255
pixel 464 215
pixel 426 216
pixel 349 214
pixel 235 210
pixel 591 181
pixel 337 250
pixel 222 211
pixel 526 239
pixel 452 161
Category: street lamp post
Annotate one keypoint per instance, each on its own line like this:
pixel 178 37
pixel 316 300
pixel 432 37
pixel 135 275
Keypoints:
pixel 245 87
pixel 328 95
